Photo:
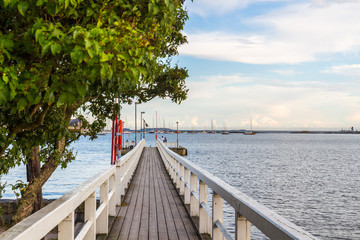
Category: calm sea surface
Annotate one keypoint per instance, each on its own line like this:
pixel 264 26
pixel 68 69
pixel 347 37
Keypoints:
pixel 312 180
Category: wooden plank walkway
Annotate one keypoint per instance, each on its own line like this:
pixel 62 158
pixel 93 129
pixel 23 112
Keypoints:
pixel 152 209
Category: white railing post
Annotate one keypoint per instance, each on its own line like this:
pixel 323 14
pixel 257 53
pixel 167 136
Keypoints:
pixel 181 182
pixel 177 164
pixel 112 200
pixel 187 190
pixel 242 227
pixel 217 210
pixel 194 204
pixel 89 216
pixel 203 216
pixel 102 220
pixel 66 228
pixel 118 183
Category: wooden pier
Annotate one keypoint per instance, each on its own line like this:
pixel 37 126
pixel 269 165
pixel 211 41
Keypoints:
pixel 143 197
pixel 152 208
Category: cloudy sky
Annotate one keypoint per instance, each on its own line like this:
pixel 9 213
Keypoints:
pixel 286 64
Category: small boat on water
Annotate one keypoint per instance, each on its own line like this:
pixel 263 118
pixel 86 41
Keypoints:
pixel 250 132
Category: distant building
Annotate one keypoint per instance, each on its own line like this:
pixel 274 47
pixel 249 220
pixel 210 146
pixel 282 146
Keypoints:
pixel 75 124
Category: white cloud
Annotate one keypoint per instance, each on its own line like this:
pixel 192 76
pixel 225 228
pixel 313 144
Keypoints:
pixel 271 104
pixel 294 34
pixel 286 72
pixel 351 69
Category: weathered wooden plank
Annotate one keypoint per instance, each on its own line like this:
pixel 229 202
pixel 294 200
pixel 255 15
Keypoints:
pixel 130 214
pixel 152 209
pixel 163 185
pixel 162 229
pixel 153 220
pixel 144 223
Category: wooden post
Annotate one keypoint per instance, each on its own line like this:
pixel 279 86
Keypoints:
pixel 90 212
pixel 203 216
pixel 177 164
pixel 194 204
pixel 181 182
pixel 102 221
pixel 119 183
pixel 66 228
pixel 112 200
pixel 187 190
pixel 242 227
pixel 217 206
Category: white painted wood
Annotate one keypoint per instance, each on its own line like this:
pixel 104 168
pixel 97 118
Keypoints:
pixel 181 190
pixel 194 203
pixel 89 216
pixel 66 228
pixel 103 210
pixel 112 195
pixel 217 209
pixel 84 231
pixel 203 216
pixel 242 228
pixel 187 190
pixel 270 223
pixel 60 212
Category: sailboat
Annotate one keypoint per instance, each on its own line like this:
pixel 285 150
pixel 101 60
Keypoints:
pixel 251 132
pixel 225 132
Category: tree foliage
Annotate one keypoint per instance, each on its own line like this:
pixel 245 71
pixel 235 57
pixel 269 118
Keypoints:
pixel 57 56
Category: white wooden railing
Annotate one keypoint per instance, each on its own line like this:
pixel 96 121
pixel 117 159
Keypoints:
pixel 193 184
pixel 61 213
pixel 170 144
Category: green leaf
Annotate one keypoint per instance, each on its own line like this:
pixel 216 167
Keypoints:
pixel 81 89
pixel 67 3
pixel 77 55
pixel 21 103
pixel 104 57
pixel 46 48
pixel 88 43
pixel 51 98
pixel 103 71
pixel 39 2
pixel 22 7
pixel 135 72
pixel 6 2
pixel 37 34
pixel 62 99
pixel 5 78
pixel 55 48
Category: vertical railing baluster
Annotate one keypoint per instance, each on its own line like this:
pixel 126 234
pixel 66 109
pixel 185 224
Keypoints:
pixel 217 211
pixel 187 190
pixel 102 221
pixel 112 201
pixel 89 215
pixel 242 227
pixel 66 228
pixel 177 175
pixel 203 216
pixel 119 183
pixel 194 204
pixel 181 182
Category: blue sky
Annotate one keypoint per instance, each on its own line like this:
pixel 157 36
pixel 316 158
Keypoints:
pixel 286 64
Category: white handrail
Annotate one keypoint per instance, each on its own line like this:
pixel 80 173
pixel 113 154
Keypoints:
pixel 61 212
pixel 188 175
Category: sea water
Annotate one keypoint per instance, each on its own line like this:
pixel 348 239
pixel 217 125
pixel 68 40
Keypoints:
pixel 310 179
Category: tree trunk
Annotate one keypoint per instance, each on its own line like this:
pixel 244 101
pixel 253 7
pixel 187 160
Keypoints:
pixel 33 171
pixel 26 202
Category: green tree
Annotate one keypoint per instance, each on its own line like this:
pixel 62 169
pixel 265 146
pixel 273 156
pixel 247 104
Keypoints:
pixel 59 56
